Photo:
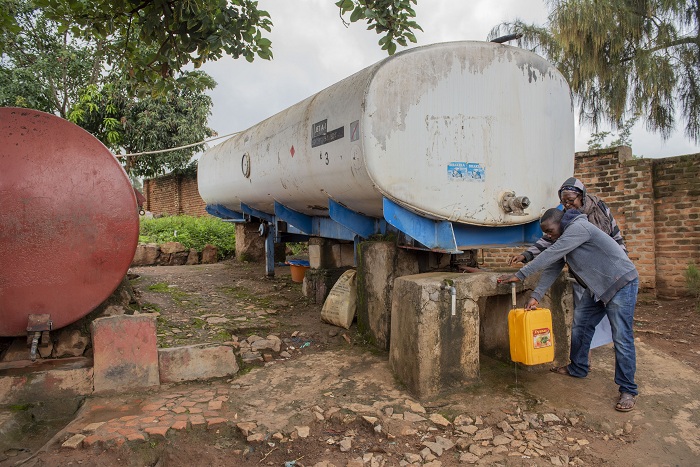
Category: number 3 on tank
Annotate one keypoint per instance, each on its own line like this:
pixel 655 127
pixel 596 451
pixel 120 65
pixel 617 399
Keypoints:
pixel 322 155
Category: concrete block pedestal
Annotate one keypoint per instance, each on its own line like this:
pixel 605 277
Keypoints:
pixel 432 350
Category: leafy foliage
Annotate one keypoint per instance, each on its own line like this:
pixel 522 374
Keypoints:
pixel 152 41
pixel 597 140
pixel 393 18
pixel 41 68
pixel 192 232
pixel 49 69
pixel 692 280
pixel 137 125
pixel 624 57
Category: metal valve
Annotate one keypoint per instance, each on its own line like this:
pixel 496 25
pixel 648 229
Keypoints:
pixel 514 205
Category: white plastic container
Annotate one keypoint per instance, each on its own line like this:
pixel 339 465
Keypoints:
pixel 444 130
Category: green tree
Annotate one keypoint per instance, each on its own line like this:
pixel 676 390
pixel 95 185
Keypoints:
pixel 47 68
pixel 624 58
pixel 153 40
pixel 42 68
pixel 135 125
pixel 624 138
pixel 393 18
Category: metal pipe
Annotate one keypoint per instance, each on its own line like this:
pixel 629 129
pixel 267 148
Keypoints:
pixel 35 344
pixel 512 291
pixel 506 38
pixel 453 297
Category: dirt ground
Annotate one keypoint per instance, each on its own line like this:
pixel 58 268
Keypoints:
pixel 327 368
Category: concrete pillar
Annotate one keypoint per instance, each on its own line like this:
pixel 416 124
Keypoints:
pixel 326 253
pixel 379 264
pixel 432 350
pixel 250 246
pixel 319 282
pixel 328 259
pixel 125 352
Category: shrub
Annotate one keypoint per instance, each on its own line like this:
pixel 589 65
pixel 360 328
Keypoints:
pixel 192 232
pixel 692 280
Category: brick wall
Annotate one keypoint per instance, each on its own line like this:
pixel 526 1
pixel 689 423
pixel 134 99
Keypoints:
pixel 655 202
pixel 173 195
pixel 676 211
pixel 625 185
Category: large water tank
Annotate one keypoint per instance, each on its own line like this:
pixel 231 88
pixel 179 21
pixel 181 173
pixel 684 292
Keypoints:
pixel 444 130
pixel 68 220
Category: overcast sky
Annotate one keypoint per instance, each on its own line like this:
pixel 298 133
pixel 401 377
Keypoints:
pixel 313 50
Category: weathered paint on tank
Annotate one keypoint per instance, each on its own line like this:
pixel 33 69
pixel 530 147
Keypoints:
pixel 443 130
pixel 68 222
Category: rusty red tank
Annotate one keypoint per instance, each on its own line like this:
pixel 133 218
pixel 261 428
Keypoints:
pixel 68 220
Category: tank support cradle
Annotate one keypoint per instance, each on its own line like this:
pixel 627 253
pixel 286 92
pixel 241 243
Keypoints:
pixel 38 327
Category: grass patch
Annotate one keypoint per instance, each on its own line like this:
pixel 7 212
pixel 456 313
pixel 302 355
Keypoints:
pixel 222 336
pixel 692 279
pixel 198 323
pixel 163 287
pixel 192 232
pixel 241 293
pixel 150 308
pixel 20 407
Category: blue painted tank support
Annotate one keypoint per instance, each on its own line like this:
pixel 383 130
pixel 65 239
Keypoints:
pixel 270 250
pixel 345 224
pixel 435 235
pixel 314 226
pixel 362 225
pixel 474 236
pixel 225 213
pixel 255 213
pixel 452 238
pixel 302 222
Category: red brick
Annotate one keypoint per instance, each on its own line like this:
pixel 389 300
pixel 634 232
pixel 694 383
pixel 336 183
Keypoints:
pixel 179 425
pixel 197 420
pixel 135 436
pixel 215 421
pixel 158 430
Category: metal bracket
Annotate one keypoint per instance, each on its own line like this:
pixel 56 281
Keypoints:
pixel 38 327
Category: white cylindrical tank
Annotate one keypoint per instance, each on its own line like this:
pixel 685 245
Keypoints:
pixel 444 130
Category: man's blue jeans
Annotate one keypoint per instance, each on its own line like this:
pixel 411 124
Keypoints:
pixel 620 312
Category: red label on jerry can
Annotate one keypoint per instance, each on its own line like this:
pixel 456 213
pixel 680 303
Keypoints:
pixel 542 338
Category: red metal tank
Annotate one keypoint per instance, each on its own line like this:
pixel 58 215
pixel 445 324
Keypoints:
pixel 68 220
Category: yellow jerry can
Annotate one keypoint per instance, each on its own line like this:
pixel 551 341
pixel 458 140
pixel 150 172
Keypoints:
pixel 531 336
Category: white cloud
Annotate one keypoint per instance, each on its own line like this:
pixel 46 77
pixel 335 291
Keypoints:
pixel 313 50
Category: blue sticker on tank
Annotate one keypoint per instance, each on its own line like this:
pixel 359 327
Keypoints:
pixel 465 171
pixel 475 172
pixel 457 170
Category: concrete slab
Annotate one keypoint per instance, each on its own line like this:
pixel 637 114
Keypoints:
pixel 125 352
pixel 26 381
pixel 196 362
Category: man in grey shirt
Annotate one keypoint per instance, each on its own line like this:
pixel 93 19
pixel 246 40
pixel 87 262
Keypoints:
pixel 602 267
